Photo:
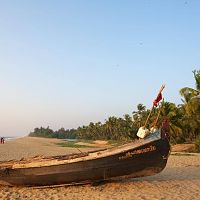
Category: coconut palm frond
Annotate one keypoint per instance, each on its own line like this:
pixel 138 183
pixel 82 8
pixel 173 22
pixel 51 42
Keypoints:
pixel 197 79
pixel 188 93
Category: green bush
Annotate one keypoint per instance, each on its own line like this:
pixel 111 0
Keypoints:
pixel 197 144
pixel 180 140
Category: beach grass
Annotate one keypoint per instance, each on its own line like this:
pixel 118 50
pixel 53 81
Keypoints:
pixel 73 144
pixel 182 154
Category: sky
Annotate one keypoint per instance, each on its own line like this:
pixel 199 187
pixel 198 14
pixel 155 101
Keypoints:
pixel 67 63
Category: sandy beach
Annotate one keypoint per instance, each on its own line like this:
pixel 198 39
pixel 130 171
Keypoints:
pixel 33 146
pixel 179 180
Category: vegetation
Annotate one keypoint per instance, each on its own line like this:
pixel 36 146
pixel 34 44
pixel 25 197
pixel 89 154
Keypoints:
pixel 49 133
pixel 184 121
pixel 182 154
pixel 197 144
pixel 72 144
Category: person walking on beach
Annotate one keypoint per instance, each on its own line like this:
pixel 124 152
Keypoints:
pixel 2 140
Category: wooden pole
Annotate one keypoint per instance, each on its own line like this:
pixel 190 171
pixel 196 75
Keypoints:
pixel 148 117
pixel 156 121
pixel 161 89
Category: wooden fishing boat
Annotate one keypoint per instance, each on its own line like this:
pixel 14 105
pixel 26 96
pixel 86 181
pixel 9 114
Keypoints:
pixel 143 157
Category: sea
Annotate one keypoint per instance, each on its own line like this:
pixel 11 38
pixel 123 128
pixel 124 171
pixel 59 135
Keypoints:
pixel 70 140
pixel 10 138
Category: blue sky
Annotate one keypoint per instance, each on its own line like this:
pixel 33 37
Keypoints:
pixel 66 63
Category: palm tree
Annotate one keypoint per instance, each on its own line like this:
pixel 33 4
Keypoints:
pixel 189 93
pixel 111 125
pixel 191 107
pixel 174 115
pixel 139 116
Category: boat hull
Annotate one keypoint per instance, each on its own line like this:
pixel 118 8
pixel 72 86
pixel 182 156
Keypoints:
pixel 144 160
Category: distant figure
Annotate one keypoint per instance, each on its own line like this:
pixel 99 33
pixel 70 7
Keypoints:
pixel 2 140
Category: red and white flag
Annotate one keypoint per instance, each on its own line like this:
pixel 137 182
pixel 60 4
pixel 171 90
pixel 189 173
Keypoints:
pixel 158 98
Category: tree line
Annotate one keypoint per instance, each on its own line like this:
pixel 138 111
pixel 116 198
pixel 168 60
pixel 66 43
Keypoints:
pixel 184 121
